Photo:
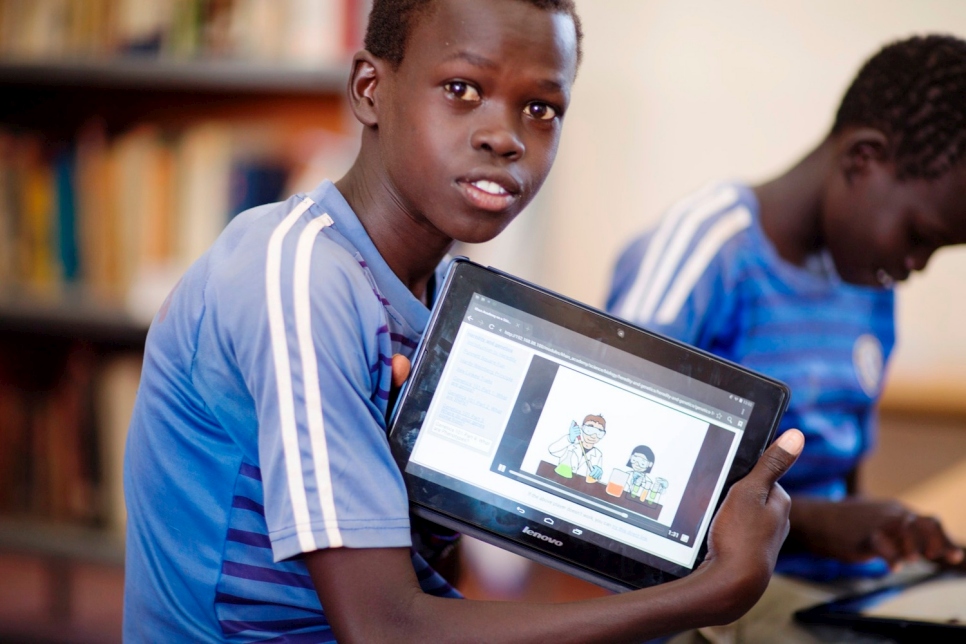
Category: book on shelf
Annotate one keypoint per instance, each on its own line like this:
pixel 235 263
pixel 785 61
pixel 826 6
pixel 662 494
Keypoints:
pixel 115 389
pixel 62 435
pixel 124 216
pixel 294 32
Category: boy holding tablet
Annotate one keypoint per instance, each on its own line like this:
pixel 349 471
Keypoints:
pixel 793 278
pixel 263 501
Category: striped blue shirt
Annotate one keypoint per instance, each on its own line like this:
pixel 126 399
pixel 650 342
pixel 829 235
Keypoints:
pixel 259 430
pixel 708 275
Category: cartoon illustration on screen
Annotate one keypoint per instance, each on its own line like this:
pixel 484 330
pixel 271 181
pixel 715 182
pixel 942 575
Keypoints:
pixel 577 452
pixel 653 496
pixel 641 462
pixel 637 482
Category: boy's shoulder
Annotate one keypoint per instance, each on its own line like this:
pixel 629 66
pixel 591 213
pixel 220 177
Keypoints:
pixel 708 218
pixel 718 215
pixel 712 231
pixel 280 248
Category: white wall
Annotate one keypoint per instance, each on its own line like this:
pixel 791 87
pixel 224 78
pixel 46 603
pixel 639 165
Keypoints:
pixel 673 93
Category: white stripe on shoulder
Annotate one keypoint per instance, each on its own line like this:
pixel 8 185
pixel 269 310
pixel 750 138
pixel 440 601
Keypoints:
pixel 729 225
pixel 670 258
pixel 655 249
pixel 283 377
pixel 310 375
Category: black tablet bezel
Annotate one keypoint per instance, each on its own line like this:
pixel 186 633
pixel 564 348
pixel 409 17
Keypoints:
pixel 503 527
pixel 846 612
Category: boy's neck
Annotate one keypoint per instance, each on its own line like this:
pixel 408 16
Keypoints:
pixel 412 249
pixel 791 205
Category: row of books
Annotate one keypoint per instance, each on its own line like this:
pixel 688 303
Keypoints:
pixel 62 436
pixel 299 32
pixel 124 216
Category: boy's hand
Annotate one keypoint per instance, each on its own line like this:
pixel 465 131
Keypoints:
pixel 856 529
pixel 749 529
pixel 400 372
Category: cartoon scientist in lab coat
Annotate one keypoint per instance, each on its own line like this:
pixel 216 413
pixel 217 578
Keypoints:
pixel 577 452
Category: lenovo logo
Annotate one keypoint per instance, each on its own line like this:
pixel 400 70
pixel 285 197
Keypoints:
pixel 533 533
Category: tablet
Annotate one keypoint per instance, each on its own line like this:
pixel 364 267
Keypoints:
pixel 932 610
pixel 556 431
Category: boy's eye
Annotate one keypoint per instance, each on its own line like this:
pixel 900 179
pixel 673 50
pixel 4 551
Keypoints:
pixel 540 111
pixel 463 91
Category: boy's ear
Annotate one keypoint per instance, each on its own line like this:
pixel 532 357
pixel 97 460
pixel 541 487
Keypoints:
pixel 367 74
pixel 859 149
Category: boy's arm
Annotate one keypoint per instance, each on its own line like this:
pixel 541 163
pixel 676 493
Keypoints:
pixel 372 595
pixel 855 529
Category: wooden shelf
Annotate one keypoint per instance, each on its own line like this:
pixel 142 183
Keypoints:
pixel 73 314
pixel 58 97
pixel 216 76
pixel 61 541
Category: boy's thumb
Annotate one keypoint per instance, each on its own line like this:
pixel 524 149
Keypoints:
pixel 400 370
pixel 779 457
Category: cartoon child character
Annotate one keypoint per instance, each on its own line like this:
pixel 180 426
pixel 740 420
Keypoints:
pixel 576 451
pixel 640 462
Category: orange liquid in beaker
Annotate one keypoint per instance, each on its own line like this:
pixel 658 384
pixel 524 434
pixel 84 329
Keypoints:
pixel 615 489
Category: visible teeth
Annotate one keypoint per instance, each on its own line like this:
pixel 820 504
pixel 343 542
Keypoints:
pixel 884 278
pixel 490 187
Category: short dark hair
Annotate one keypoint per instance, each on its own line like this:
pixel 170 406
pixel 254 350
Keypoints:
pixel 391 21
pixel 914 91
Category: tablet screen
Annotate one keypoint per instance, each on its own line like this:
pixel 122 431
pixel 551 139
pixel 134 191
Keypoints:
pixel 584 442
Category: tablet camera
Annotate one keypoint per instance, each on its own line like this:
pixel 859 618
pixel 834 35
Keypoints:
pixel 620 333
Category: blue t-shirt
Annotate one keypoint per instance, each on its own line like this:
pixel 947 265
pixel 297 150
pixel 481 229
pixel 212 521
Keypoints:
pixel 259 430
pixel 707 275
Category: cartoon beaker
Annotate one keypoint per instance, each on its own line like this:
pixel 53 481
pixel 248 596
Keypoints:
pixel 564 470
pixel 618 479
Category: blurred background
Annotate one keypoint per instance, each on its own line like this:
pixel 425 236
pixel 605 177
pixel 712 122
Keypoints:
pixel 132 130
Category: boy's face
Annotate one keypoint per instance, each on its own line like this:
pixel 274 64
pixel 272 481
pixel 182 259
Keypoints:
pixel 879 229
pixel 471 122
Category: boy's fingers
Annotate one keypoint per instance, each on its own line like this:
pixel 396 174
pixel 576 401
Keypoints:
pixel 912 539
pixel 778 458
pixel 956 556
pixel 883 546
pixel 936 545
pixel 400 370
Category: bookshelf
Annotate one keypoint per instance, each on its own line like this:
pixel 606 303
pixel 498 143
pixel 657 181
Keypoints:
pixel 54 98
pixel 63 542
pixel 123 93
pixel 208 76
pixel 44 327
pixel 149 129
pixel 73 315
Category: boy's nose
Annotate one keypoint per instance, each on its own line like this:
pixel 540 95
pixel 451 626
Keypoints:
pixel 499 139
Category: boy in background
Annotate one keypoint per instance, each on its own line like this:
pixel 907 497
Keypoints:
pixel 264 504
pixel 794 278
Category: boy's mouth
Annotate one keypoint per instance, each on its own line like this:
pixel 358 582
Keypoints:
pixel 889 279
pixel 487 194
pixel 490 187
